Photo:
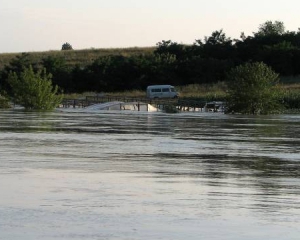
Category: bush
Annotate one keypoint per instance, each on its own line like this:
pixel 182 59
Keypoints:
pixel 4 103
pixel 170 109
pixel 253 89
pixel 34 90
pixel 291 100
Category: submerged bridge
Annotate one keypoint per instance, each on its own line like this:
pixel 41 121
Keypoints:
pixel 161 103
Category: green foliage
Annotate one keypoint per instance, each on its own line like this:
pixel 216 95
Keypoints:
pixel 171 48
pixel 253 90
pixel 66 46
pixel 4 103
pixel 291 100
pixel 60 71
pixel 170 109
pixel 34 90
pixel 17 65
pixel 54 63
pixel 217 37
pixel 270 28
pixel 216 46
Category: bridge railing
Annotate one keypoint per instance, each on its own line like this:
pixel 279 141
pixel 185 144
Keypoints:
pixel 100 99
pixel 181 104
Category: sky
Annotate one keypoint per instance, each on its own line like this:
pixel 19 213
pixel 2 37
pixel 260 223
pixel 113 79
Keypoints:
pixel 44 25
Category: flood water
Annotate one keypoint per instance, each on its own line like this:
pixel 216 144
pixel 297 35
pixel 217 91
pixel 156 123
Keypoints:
pixel 131 175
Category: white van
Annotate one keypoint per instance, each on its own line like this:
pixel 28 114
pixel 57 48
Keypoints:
pixel 161 91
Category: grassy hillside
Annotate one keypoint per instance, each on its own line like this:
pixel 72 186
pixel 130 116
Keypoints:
pixel 80 57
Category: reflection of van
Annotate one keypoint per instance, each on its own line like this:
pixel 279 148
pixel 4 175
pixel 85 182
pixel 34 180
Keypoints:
pixel 161 91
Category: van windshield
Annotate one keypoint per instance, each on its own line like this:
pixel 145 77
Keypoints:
pixel 172 89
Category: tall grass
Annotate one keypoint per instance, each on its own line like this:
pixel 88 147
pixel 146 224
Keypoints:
pixel 290 80
pixel 81 57
pixel 291 98
pixel 194 91
pixel 207 92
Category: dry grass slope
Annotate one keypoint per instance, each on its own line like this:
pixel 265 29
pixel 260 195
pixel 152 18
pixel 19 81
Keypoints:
pixel 78 57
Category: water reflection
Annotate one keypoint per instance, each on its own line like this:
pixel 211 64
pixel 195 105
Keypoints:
pixel 97 172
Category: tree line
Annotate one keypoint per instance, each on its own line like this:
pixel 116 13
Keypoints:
pixel 207 60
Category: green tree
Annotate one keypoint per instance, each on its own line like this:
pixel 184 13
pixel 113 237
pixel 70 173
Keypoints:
pixel 270 28
pixel 253 89
pixel 217 37
pixel 4 102
pixel 17 65
pixel 171 48
pixel 66 46
pixel 34 90
pixel 216 46
pixel 61 73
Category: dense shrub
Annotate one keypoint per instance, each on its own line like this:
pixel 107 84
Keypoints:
pixel 34 90
pixel 253 90
pixel 4 103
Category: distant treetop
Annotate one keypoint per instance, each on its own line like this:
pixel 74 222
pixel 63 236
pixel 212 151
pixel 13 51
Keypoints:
pixel 66 46
pixel 271 28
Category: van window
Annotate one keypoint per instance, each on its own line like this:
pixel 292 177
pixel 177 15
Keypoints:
pixel 156 90
pixel 172 89
pixel 165 89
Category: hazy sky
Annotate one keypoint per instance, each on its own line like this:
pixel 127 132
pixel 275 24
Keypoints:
pixel 42 25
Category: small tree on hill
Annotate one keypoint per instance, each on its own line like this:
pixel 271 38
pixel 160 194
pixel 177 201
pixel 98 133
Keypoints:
pixel 34 90
pixel 253 89
pixel 66 46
